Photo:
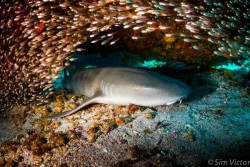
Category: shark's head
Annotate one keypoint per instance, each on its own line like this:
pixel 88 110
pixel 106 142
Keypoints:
pixel 68 72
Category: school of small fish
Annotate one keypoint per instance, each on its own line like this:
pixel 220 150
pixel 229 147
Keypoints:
pixel 37 36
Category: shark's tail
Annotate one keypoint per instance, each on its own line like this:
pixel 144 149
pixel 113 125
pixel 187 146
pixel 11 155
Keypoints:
pixel 69 112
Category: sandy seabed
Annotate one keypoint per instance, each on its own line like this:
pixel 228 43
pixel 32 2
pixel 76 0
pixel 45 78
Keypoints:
pixel 211 127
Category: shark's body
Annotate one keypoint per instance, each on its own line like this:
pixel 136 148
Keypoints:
pixel 124 86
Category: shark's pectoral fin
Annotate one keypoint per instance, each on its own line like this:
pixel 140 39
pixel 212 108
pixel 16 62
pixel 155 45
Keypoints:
pixel 93 99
